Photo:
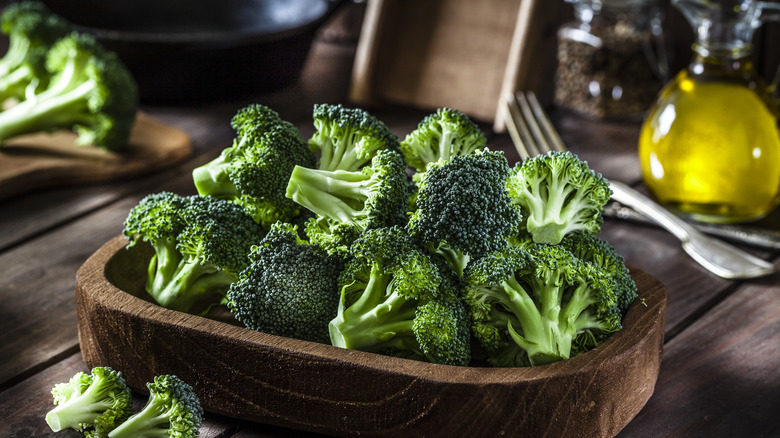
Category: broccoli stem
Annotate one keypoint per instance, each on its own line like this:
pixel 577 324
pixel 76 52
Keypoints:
pixel 47 111
pixel 213 179
pixel 339 195
pixel 83 408
pixel 14 55
pixel 151 422
pixel 542 335
pixel 377 320
pixel 169 275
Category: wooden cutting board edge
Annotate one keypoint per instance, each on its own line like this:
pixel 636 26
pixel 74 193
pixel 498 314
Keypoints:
pixel 40 161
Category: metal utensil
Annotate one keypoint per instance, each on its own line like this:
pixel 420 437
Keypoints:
pixel 533 133
pixel 747 234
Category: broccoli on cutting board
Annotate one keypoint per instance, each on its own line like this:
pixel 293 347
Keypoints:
pixel 31 29
pixel 90 93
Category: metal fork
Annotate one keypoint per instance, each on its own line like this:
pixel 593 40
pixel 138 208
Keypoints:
pixel 533 133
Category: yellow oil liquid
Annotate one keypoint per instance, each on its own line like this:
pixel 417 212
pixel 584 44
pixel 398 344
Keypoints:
pixel 711 150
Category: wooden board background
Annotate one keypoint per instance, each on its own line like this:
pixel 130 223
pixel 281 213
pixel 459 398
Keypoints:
pixel 457 53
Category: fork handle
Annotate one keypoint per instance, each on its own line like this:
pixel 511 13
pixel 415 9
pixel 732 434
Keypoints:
pixel 718 257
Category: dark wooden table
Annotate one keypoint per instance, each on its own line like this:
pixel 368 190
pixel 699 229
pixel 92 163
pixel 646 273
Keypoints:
pixel 720 374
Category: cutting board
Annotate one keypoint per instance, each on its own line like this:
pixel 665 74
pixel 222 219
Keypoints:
pixel 38 161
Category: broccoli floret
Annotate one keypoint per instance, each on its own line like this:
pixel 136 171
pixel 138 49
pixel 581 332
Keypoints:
pixel 92 403
pixel 91 93
pixel 200 245
pixel 172 410
pixel 528 307
pixel 398 299
pixel 254 171
pixel 32 29
pixel 348 202
pixel 463 210
pixel 441 136
pixel 348 138
pixel 559 195
pixel 289 289
pixel 591 248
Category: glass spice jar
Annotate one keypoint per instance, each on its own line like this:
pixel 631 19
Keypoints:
pixel 611 60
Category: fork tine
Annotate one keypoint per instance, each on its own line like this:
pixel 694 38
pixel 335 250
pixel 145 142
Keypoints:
pixel 539 137
pixel 554 141
pixel 518 129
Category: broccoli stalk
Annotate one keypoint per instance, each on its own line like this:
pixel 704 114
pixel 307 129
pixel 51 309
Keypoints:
pixel 348 202
pixel 92 94
pixel 91 403
pixel 173 409
pixel 538 302
pixel 559 195
pixel 397 299
pixel 32 29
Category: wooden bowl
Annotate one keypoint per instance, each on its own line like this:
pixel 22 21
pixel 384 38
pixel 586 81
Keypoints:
pixel 314 387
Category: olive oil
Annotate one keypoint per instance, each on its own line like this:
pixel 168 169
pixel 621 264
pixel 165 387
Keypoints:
pixel 711 148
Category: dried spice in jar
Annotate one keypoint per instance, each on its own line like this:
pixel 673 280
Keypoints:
pixel 611 59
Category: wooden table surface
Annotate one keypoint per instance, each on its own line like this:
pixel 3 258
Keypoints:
pixel 720 372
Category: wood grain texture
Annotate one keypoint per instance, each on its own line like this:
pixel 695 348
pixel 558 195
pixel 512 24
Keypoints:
pixel 321 388
pixel 37 161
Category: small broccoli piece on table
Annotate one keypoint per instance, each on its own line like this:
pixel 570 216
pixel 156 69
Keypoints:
pixel 290 287
pixel 92 403
pixel 528 307
pixel 31 29
pixel 200 245
pixel 172 410
pixel 348 202
pixel 441 136
pixel 463 209
pixel 91 93
pixel 398 299
pixel 254 171
pixel 559 195
pixel 348 138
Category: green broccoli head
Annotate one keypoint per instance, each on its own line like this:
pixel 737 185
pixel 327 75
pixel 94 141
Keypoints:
pixel 289 289
pixel 348 138
pixel 441 136
pixel 463 208
pixel 172 410
pixel 528 307
pixel 398 299
pixel 254 171
pixel 348 202
pixel 200 245
pixel 92 403
pixel 592 249
pixel 32 29
pixel 559 195
pixel 92 94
